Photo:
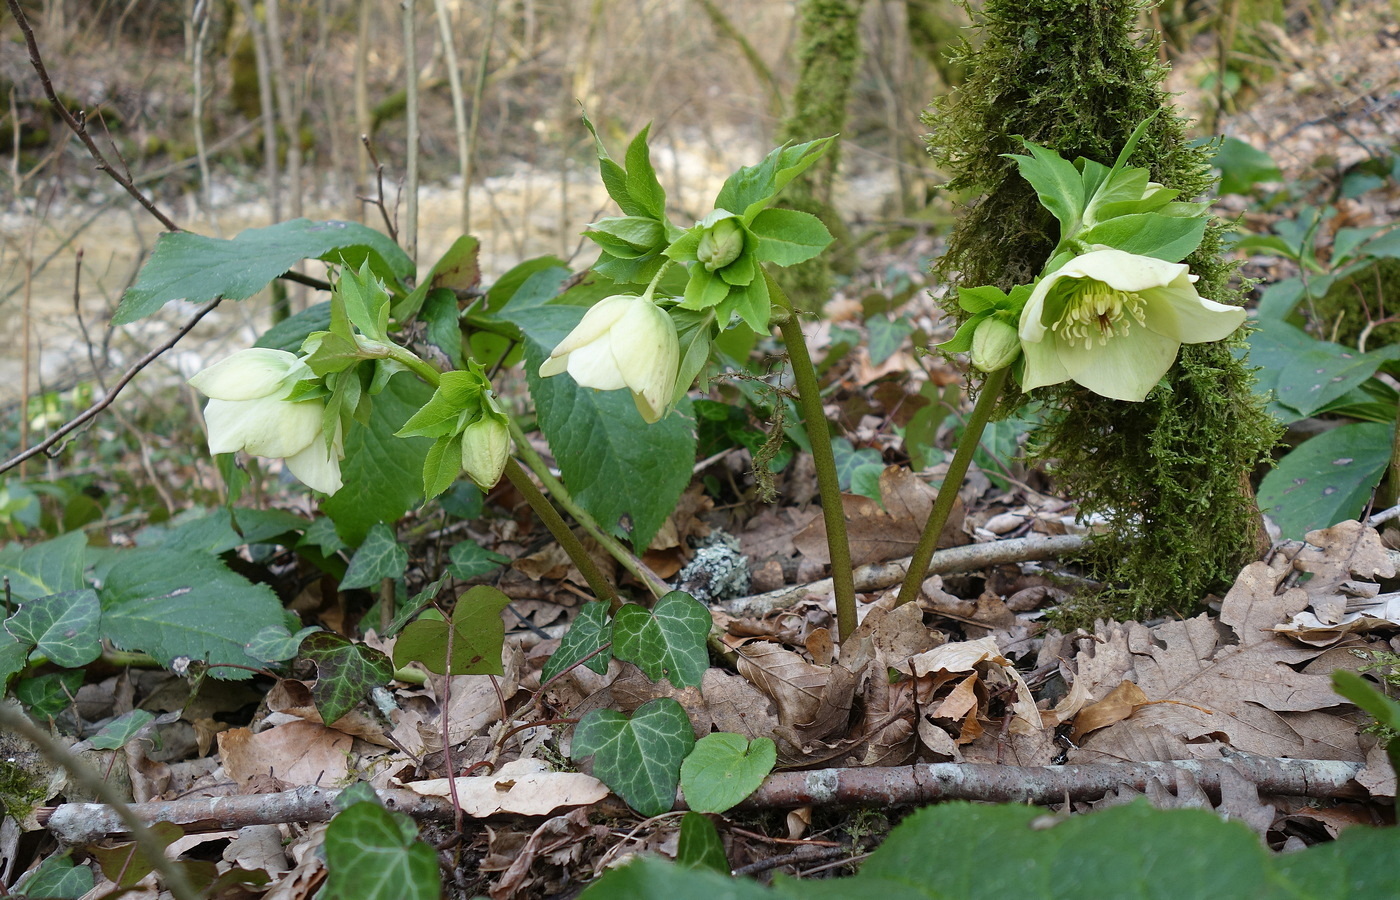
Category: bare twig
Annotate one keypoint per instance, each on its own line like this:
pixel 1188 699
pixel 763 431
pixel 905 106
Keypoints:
pixel 77 124
pixel 878 576
pixel 89 413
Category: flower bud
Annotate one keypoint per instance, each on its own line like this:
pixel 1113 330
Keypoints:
pixel 720 245
pixel 995 345
pixel 485 449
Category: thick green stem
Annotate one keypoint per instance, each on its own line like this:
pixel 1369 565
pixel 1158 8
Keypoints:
pixel 561 495
pixel 948 493
pixel 560 529
pixel 810 397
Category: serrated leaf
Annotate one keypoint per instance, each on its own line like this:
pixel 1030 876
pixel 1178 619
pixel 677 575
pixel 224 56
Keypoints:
pixel 171 604
pixel 457 393
pixel 121 729
pixel 614 464
pixel 1057 183
pixel 45 696
pixel 477 635
pixel 699 845
pixel 52 567
pixel 787 237
pixel 725 768
pixel 276 644
pixel 468 560
pixel 642 185
pixel 63 627
pixel 383 474
pixel 345 673
pixel 590 631
pixel 1169 238
pixel 375 854
pixel 380 556
pixel 196 268
pixel 1326 479
pixel 638 758
pixel 666 641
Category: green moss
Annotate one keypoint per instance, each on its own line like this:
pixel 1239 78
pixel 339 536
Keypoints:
pixel 1352 303
pixel 1169 475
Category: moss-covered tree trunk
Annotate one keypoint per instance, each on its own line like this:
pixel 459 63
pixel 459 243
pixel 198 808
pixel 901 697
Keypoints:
pixel 1167 473
pixel 828 52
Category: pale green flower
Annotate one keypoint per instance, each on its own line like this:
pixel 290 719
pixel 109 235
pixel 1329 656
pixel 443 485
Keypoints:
pixel 624 341
pixel 485 449
pixel 248 410
pixel 1113 322
pixel 995 345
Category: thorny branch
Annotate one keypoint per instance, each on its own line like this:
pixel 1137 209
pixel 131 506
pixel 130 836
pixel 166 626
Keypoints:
pixel 78 823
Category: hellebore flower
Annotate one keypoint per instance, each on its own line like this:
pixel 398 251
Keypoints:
pixel 1113 321
pixel 248 410
pixel 995 345
pixel 485 449
pixel 623 341
pixel 720 244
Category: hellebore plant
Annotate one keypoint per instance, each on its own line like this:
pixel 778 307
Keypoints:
pixel 1110 310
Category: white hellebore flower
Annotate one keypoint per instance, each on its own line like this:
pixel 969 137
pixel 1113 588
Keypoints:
pixel 248 410
pixel 1113 321
pixel 623 341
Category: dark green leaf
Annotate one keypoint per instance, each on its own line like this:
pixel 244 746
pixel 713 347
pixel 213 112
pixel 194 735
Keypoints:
pixel 638 758
pixel 192 267
pixel 276 644
pixel 374 854
pixel 887 336
pixel 52 567
pixel 469 560
pixel 127 864
pixel 62 627
pixel 699 845
pixel 1242 166
pixel 848 459
pixel 121 729
pixel 345 673
pixel 56 877
pixel 45 696
pixel 380 556
pixel 1327 479
pixel 666 641
pixel 590 631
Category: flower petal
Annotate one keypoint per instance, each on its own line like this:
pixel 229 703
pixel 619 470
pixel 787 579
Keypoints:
pixel 1123 271
pixel 316 468
pixel 595 323
pixel 1178 312
pixel 246 375
pixel 1043 366
pixel 647 353
pixel 263 427
pixel 1126 367
pixel 593 366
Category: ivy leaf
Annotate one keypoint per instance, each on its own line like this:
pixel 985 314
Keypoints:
pixel 46 696
pixel 171 604
pixel 57 876
pixel 699 845
pixel 379 557
pixel 127 864
pixel 468 560
pixel 725 768
pixel 589 632
pixel 345 673
pixel 196 268
pixel 849 459
pixel 63 627
pixel 276 644
pixel 477 637
pixel 887 336
pixel 667 641
pixel 52 567
pixel 638 758
pixel 121 729
pixel 375 854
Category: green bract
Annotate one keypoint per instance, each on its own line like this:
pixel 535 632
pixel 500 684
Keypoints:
pixel 1113 322
pixel 471 430
pixel 250 409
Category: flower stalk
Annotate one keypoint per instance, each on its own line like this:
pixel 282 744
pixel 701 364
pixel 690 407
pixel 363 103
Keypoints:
pixel 948 493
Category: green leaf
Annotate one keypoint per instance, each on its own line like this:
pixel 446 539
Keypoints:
pixel 848 459
pixel 443 325
pixel 181 605
pixel 1242 166
pixel 382 473
pixel 192 267
pixel 276 644
pixel 615 464
pixel 380 556
pixel 725 768
pixel 788 236
pixel 468 560
pixel 291 333
pixel 752 187
pixel 642 185
pixel 1169 238
pixel 590 631
pixel 865 481
pixel 345 673
pixel 1327 479
pixel 57 877
pixel 458 269
pixel 375 854
pixel 121 729
pixel 457 393
pixel 14 656
pixel 1377 705
pixel 127 864
pixel 476 631
pixel 366 302
pixel 442 465
pixel 1057 183
pixel 699 845
pixel 646 878
pixel 49 568
pixel 667 641
pixel 321 534
pixel 887 336
pixel 638 758
pixel 45 696
pixel 63 627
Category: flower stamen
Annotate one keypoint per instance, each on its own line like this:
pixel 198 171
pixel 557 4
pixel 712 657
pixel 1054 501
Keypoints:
pixel 1096 312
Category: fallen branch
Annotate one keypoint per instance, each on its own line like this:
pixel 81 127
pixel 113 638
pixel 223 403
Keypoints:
pixel 82 823
pixel 878 576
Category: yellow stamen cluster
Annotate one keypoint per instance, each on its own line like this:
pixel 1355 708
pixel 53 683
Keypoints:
pixel 1097 311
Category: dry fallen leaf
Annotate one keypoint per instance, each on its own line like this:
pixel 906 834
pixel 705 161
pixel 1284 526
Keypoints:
pixel 294 753
pixel 525 787
pixel 1120 703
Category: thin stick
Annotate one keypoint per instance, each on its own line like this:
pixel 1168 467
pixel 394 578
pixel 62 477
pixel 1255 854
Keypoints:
pixel 89 413
pixel 410 64
pixel 459 107
pixel 478 91
pixel 948 492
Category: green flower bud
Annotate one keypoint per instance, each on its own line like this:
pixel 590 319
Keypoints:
pixel 995 345
pixel 485 449
pixel 720 245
